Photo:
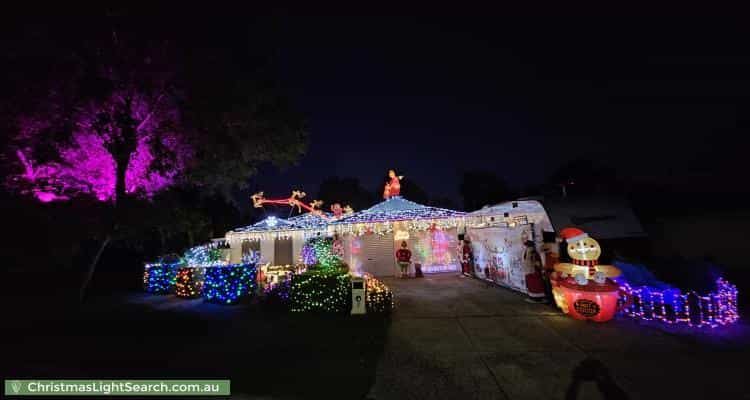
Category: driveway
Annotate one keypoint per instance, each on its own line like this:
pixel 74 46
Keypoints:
pixel 459 338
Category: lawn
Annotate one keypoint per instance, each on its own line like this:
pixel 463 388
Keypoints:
pixel 131 334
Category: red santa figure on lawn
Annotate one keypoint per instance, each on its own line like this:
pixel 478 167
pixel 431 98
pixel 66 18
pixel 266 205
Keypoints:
pixel 532 263
pixel 403 256
pixel 467 257
pixel 393 187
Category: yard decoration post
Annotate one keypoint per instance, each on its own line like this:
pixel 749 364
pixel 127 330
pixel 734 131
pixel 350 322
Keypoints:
pixel 584 289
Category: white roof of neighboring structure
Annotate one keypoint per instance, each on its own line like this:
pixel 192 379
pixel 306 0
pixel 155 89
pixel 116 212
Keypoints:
pixel 600 217
pixel 531 209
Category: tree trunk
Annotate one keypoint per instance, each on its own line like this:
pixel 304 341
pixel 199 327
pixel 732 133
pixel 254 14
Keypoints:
pixel 120 167
pixel 92 266
pixel 162 240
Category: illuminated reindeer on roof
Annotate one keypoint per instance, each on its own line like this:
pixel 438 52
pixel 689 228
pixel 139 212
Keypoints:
pixel 294 201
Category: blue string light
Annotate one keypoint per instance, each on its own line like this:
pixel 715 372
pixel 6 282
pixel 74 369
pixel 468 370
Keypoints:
pixel 159 278
pixel 228 284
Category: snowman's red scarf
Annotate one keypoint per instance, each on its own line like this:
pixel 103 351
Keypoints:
pixel 587 263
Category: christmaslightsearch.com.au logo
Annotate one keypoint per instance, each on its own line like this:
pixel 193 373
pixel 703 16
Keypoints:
pixel 148 387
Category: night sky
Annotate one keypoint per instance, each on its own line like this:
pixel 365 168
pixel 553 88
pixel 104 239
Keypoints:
pixel 661 99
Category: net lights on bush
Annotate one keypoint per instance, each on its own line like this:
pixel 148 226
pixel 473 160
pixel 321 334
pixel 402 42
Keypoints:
pixel 205 254
pixel 325 257
pixel 717 308
pixel 321 292
pixel 159 278
pixel 379 296
pixel 228 284
pixel 188 282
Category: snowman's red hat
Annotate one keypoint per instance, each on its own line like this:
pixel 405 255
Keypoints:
pixel 572 235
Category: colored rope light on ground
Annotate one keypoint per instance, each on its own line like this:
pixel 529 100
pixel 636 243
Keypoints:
pixel 228 284
pixel 189 282
pixel 718 308
pixel 321 292
pixel 158 278
pixel 379 297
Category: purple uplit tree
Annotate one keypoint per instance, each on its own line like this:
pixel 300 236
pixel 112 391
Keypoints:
pixel 109 130
pixel 135 134
pixel 128 144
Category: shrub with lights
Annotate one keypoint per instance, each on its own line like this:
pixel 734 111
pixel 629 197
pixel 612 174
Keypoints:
pixel 320 291
pixel 319 253
pixel 159 278
pixel 277 297
pixel 379 297
pixel 189 281
pixel 228 284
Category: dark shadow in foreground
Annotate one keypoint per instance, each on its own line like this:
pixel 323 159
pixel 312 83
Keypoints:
pixel 591 369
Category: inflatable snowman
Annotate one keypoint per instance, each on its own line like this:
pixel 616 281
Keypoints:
pixel 583 289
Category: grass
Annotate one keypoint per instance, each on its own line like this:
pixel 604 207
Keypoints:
pixel 136 335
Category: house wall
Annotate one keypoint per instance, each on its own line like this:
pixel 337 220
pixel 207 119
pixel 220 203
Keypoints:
pixel 267 251
pixel 297 243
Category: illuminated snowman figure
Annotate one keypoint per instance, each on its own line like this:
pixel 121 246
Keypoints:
pixel 585 252
pixel 584 289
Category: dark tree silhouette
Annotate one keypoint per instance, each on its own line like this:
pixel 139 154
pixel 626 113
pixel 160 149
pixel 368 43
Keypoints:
pixel 346 191
pixel 481 188
pixel 413 191
pixel 582 176
pixel 443 202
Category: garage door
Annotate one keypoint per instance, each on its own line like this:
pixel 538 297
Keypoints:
pixel 378 255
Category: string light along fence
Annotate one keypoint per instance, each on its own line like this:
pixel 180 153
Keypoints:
pixel 717 308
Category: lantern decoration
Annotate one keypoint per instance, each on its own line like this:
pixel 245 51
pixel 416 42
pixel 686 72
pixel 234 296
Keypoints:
pixel 584 289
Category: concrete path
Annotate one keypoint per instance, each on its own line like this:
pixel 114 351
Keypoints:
pixel 459 338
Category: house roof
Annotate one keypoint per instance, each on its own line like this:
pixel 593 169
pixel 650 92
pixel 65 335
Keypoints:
pixel 397 209
pixel 306 221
